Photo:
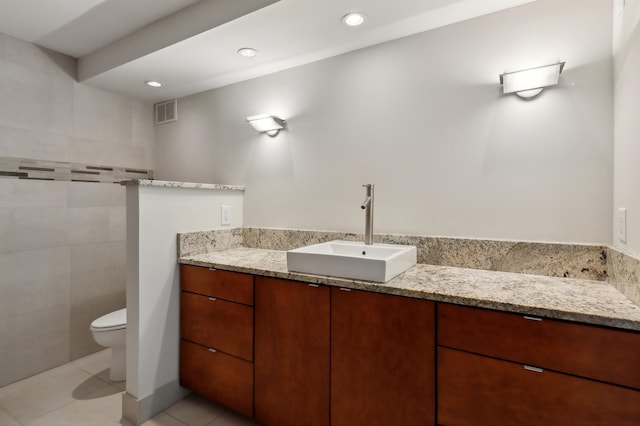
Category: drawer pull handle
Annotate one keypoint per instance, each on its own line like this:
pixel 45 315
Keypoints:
pixel 213 299
pixel 314 285
pixel 532 318
pixel 344 289
pixel 212 269
pixel 534 369
pixel 212 350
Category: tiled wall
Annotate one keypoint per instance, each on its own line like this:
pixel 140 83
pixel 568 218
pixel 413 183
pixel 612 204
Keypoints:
pixel 62 260
pixel 62 243
pixel 24 168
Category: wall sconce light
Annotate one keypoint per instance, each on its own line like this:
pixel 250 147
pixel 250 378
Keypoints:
pixel 266 123
pixel 530 82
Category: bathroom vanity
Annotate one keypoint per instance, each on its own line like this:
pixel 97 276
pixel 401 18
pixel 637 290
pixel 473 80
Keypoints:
pixel 216 331
pixel 435 345
pixel 517 369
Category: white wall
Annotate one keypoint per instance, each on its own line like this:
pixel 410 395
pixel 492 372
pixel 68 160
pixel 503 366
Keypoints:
pixel 423 119
pixel 154 216
pixel 62 244
pixel 627 123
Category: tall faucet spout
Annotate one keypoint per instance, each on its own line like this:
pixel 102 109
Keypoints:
pixel 367 206
pixel 366 203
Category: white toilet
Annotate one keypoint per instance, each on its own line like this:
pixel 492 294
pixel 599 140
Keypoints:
pixel 110 330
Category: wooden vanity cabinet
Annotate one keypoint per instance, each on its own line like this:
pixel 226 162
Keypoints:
pixel 216 331
pixel 217 376
pixel 291 353
pixel 226 285
pixel 304 354
pixel 382 359
pixel 589 351
pixel 502 369
pixel 477 390
pixel 216 323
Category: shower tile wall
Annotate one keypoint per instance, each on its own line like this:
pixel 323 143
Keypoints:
pixel 62 244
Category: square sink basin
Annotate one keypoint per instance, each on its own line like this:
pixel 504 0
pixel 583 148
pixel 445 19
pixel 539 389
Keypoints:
pixel 352 259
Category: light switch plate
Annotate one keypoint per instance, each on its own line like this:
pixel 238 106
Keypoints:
pixel 225 215
pixel 622 225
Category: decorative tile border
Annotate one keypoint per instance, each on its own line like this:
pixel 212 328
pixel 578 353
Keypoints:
pixel 24 168
pixel 624 274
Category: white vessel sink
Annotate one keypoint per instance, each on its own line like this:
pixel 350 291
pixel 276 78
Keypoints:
pixel 352 259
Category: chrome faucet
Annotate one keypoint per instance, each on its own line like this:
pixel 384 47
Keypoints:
pixel 367 206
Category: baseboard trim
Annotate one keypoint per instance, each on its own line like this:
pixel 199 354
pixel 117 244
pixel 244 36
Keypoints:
pixel 137 411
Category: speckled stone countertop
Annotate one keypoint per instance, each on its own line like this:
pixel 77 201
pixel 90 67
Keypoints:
pixel 188 185
pixel 593 302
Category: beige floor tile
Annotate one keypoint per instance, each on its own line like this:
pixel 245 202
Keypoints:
pixel 36 379
pixel 163 419
pixel 120 385
pixel 31 402
pixel 100 408
pixel 98 364
pixel 230 418
pixel 195 410
pixel 7 420
pixel 94 363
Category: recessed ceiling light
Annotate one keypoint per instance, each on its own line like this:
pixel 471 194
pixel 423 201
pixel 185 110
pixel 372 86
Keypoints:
pixel 354 19
pixel 153 83
pixel 248 52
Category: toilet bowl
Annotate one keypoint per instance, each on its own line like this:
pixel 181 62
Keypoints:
pixel 110 330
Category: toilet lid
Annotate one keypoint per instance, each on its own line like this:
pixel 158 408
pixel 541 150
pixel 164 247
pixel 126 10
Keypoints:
pixel 111 320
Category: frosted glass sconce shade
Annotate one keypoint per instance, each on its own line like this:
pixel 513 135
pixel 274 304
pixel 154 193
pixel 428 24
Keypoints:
pixel 530 82
pixel 266 123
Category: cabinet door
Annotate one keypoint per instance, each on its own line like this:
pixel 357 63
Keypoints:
pixel 217 376
pixel 476 390
pixel 216 323
pixel 291 353
pixel 232 286
pixel 593 352
pixel 382 359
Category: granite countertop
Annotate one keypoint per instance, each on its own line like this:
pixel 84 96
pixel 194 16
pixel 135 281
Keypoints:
pixel 187 185
pixel 592 302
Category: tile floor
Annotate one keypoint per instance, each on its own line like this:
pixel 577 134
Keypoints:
pixel 80 394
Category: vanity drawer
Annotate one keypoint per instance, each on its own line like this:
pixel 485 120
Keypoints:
pixel 595 352
pixel 226 285
pixel 215 323
pixel 217 376
pixel 475 390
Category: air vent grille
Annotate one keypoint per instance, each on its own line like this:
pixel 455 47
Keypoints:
pixel 167 111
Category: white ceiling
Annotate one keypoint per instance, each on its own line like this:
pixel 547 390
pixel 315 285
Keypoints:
pixel 190 46
pixel 78 27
